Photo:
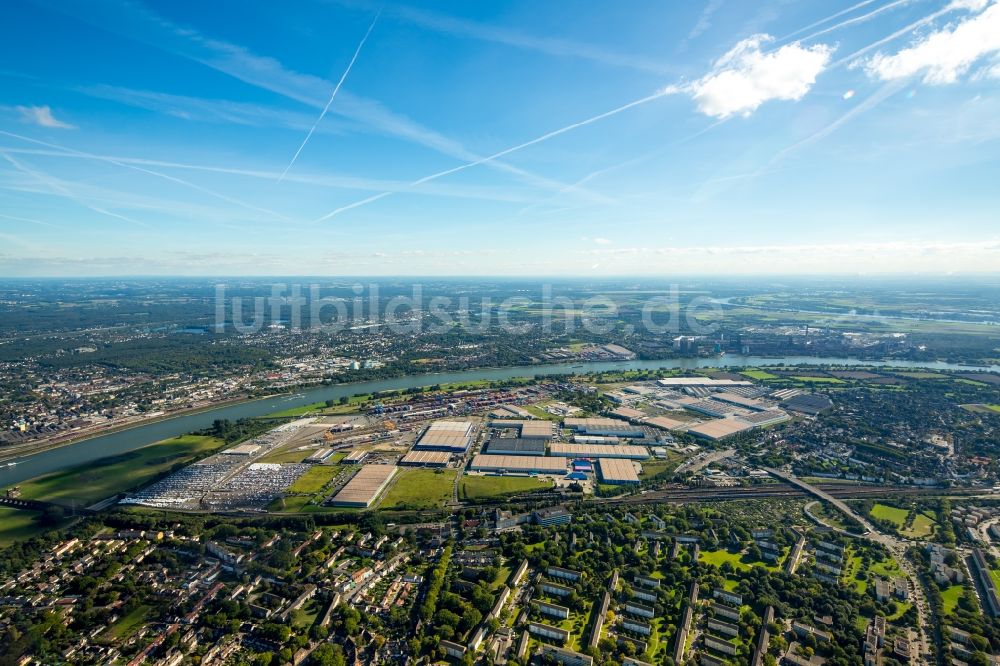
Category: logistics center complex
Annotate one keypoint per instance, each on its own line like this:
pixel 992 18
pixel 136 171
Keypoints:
pixel 608 448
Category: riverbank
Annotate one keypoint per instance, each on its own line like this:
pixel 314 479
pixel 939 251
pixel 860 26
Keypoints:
pixel 15 453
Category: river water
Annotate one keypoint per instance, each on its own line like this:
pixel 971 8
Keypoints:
pixel 120 442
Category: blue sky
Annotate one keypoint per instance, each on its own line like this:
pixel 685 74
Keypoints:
pixel 342 137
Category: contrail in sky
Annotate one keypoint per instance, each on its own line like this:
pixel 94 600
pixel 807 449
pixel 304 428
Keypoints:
pixel 54 185
pixel 857 19
pixel 829 18
pixel 502 153
pixel 133 167
pixel 336 89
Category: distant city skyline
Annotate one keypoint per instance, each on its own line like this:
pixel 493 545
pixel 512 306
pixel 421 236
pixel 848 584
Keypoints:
pixel 347 137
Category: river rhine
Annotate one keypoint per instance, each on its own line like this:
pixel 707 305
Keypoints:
pixel 120 442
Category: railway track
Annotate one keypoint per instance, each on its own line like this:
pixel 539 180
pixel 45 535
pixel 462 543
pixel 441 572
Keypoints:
pixel 778 490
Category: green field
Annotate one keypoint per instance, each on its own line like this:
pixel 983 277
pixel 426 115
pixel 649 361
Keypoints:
pixel 921 375
pixel 18 525
pixel 995 575
pixel 98 480
pixel 420 489
pixel 314 480
pixel 892 514
pixel 128 625
pixel 481 487
pixel 950 597
pixel 719 557
pixel 818 380
pixel 923 526
pixel 761 375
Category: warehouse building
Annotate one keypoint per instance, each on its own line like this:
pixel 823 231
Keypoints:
pixel 599 451
pixel 527 428
pixel 485 462
pixel 741 401
pixel 665 422
pixel 629 414
pixel 595 439
pixel 704 382
pixel 365 487
pixel 603 426
pixel 769 417
pixel 426 459
pixel 511 411
pixel 320 456
pixel 720 429
pixel 355 457
pixel 617 471
pixel 516 446
pixel 712 408
pixel 451 436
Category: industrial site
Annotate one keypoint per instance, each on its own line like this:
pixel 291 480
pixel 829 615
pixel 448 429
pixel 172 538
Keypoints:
pixel 352 461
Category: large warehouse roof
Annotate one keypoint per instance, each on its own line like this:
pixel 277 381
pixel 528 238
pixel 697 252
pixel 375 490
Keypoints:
pixel 596 422
pixel 665 422
pixel 448 435
pixel 426 458
pixel 456 427
pixel 702 381
pixel 616 470
pixel 516 446
pixel 599 451
pixel 742 401
pixel 365 487
pixel 545 465
pixel 720 428
pixel 629 413
pixel 532 428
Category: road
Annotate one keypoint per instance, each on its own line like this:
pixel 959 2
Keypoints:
pixel 896 547
pixel 984 534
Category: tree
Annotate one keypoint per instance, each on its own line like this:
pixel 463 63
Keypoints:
pixel 327 654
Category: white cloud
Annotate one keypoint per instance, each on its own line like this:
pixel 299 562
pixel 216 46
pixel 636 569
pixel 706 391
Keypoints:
pixel 848 95
pixel 991 72
pixel 602 241
pixel 945 55
pixel 42 115
pixel 746 77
